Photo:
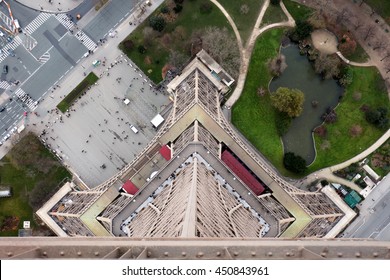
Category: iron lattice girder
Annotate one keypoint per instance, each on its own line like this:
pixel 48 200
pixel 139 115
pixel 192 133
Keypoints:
pixel 127 248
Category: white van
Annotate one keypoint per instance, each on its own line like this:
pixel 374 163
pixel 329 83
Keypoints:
pixel 17 25
pixel 133 128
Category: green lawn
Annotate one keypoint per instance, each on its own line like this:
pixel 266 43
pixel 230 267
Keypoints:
pixel 40 168
pixel 273 14
pixel 369 83
pixel 297 11
pixel 244 22
pixel 253 115
pixel 382 7
pixel 189 20
pixel 76 92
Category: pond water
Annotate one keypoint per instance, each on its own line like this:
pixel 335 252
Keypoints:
pixel 300 74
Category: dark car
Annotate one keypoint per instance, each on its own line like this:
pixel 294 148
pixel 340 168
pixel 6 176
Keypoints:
pixel 2 109
pixel 5 69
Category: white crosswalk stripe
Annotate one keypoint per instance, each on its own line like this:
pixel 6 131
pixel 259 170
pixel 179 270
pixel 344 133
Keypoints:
pixel 26 99
pixel 65 21
pixel 10 46
pixel 4 85
pixel 37 22
pixel 87 42
pixel 44 58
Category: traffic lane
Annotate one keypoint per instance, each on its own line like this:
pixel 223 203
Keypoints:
pixel 47 75
pixel 108 17
pixel 83 8
pixel 55 30
pixel 24 14
pixel 20 66
pixel 10 116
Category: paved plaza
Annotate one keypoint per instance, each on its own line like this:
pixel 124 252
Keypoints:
pixel 96 130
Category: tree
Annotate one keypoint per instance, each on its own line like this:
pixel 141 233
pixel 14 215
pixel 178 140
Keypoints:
pixel 379 44
pixel 275 2
pixel 369 32
pixel 128 45
pixel 141 49
pixel 356 130
pixel 289 101
pixel 327 66
pixel 149 34
pixel 294 163
pixel 378 117
pixel 157 23
pixel 205 8
pixel 244 9
pixel 347 45
pixel 302 30
pixel 321 131
pixel 283 123
pixel 277 65
pixel 177 9
pixel 386 55
pixel 222 46
pixel 357 96
pixel 329 116
pixel 177 59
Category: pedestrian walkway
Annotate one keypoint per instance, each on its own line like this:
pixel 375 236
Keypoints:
pixel 65 21
pixel 26 99
pixel 86 41
pixel 36 23
pixel 4 85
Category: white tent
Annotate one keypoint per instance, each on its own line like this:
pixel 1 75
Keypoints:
pixel 157 120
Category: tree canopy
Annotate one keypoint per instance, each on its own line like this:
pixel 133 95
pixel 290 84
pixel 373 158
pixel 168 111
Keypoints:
pixel 294 163
pixel 289 101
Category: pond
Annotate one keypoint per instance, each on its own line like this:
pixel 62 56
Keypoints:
pixel 300 74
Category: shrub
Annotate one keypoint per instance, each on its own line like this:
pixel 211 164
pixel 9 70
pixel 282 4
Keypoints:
pixel 329 116
pixel 321 131
pixel 205 8
pixel 283 122
pixel 128 45
pixel 378 117
pixel 141 49
pixel 324 183
pixel 164 9
pixel 244 9
pixel 275 2
pixel 157 23
pixel 294 163
pixel 356 130
pixel 177 9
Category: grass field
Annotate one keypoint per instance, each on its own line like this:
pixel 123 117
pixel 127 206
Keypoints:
pixel 253 115
pixel 157 50
pixel 244 21
pixel 76 92
pixel 273 14
pixel 342 146
pixel 298 11
pixel 28 165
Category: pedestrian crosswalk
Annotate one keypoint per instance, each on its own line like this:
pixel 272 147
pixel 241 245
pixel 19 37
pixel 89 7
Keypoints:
pixel 65 21
pixel 80 35
pixel 36 23
pixel 44 58
pixel 10 47
pixel 26 99
pixel 86 41
pixel 4 85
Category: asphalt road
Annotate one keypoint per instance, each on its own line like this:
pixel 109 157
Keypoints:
pixel 374 219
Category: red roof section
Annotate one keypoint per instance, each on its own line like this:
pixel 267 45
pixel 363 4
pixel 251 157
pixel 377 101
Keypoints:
pixel 242 173
pixel 130 188
pixel 165 152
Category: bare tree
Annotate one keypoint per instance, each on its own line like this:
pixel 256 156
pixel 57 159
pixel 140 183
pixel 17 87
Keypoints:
pixel 342 16
pixel 357 24
pixel 379 45
pixel 387 68
pixel 369 32
pixel 386 55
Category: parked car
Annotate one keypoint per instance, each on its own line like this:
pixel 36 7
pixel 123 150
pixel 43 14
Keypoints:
pixel 5 69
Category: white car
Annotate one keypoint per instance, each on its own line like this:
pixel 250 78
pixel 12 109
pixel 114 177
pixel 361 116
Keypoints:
pixel 133 128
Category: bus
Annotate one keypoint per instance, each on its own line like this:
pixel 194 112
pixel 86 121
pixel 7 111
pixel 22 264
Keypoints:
pixel 17 25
